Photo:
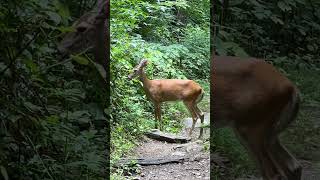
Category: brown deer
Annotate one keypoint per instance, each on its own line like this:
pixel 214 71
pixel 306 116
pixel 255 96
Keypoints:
pixel 91 30
pixel 258 103
pixel 162 90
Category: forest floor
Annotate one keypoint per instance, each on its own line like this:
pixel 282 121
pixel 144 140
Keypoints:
pixel 196 152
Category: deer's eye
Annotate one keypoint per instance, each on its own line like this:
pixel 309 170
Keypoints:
pixel 81 29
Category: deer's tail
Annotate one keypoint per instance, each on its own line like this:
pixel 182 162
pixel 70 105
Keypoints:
pixel 289 112
pixel 200 97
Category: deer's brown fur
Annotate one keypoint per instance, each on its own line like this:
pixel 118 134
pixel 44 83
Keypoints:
pixel 162 90
pixel 258 102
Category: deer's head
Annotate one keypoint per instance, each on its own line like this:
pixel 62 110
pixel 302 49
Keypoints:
pixel 86 30
pixel 138 69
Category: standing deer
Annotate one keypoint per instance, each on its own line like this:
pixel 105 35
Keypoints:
pixel 163 90
pixel 258 103
pixel 91 30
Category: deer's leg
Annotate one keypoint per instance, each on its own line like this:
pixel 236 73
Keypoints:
pixel 200 115
pixel 253 138
pixel 156 114
pixel 159 116
pixel 285 162
pixel 189 106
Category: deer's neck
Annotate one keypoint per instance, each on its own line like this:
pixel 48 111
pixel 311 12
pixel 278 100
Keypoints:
pixel 100 46
pixel 145 81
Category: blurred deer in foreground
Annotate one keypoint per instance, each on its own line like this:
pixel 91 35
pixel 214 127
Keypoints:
pixel 91 30
pixel 258 102
pixel 163 90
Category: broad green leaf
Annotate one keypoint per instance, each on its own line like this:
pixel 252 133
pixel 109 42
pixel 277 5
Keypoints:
pixel 101 70
pixel 284 6
pixel 238 51
pixel 4 173
pixel 310 47
pixel 80 59
pixel 275 19
pixel 63 9
pixel 32 107
pixel 65 29
pixel 32 66
pixel 302 32
pixel 235 3
pixel 54 17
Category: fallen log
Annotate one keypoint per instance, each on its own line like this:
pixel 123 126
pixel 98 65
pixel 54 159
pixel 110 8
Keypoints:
pixel 151 161
pixel 161 136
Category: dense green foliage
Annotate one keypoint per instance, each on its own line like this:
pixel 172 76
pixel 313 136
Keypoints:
pixel 174 37
pixel 270 29
pixel 287 34
pixel 48 105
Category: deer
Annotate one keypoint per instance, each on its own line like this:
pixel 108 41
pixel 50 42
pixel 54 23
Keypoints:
pixel 163 90
pixel 91 30
pixel 254 99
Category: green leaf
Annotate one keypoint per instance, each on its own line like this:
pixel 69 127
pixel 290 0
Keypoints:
pixel 2 66
pixel 80 59
pixel 80 116
pixel 284 6
pixel 4 173
pixel 310 47
pixel 101 70
pixel 302 32
pixel 276 20
pixel 63 9
pixel 65 29
pixel 32 107
pixel 238 51
pixel 54 17
pixel 32 66
pixel 235 3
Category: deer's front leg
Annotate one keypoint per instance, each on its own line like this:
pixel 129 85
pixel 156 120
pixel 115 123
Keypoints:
pixel 156 116
pixel 159 116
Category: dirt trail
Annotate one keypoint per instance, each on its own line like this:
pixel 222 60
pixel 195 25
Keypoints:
pixel 196 165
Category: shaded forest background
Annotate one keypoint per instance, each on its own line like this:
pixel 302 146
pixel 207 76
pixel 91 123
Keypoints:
pixel 49 106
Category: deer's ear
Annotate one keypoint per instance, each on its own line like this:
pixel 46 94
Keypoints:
pixel 102 9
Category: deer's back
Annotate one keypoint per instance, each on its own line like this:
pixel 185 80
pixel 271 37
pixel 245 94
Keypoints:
pixel 174 89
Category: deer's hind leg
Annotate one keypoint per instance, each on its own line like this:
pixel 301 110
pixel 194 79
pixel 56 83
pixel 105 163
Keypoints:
pixel 285 162
pixel 157 112
pixel 189 105
pixel 253 138
pixel 200 115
